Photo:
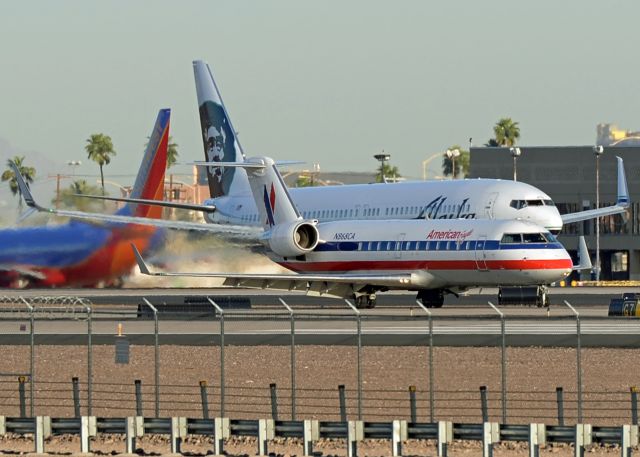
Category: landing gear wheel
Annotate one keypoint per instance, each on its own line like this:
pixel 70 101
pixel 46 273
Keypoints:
pixel 366 301
pixel 432 298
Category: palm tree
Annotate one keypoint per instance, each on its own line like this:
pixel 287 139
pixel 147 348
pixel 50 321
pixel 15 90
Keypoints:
pixel 172 151
pixel 461 163
pixel 69 196
pixel 100 149
pixel 506 132
pixel 386 171
pixel 28 173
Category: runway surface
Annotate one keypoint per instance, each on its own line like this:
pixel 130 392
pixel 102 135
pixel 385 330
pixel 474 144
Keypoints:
pixel 261 319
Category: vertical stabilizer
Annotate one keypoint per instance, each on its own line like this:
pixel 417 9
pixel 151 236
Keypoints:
pixel 150 180
pixel 270 193
pixel 218 136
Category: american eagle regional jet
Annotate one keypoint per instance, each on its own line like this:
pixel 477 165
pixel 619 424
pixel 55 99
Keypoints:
pixel 359 258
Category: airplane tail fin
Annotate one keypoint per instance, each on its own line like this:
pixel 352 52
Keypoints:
pixel 583 256
pixel 218 136
pixel 623 190
pixel 149 182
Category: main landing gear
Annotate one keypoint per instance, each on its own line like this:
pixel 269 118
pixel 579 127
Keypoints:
pixel 431 298
pixel 366 301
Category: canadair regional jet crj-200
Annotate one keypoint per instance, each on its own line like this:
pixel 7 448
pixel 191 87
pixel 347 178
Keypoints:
pixel 231 201
pixel 358 258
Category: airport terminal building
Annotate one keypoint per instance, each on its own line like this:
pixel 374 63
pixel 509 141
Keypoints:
pixel 568 175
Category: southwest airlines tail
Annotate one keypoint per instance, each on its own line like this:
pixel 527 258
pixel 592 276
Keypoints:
pixel 218 136
pixel 150 180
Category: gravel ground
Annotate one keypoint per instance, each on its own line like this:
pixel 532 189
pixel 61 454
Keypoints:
pixel 532 376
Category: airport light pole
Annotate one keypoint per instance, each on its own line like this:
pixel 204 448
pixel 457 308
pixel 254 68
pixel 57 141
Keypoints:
pixel 452 154
pixel 383 158
pixel 598 151
pixel 431 393
pixel 215 305
pixel 578 360
pixel 503 381
pixel 73 164
pixel 515 152
pixel 359 329
pixel 293 358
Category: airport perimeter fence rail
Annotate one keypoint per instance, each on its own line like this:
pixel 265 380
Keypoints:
pixel 27 390
pixel 70 399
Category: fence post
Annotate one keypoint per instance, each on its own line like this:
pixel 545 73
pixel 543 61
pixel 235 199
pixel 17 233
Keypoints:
pixel 484 404
pixel 293 358
pixel 156 357
pixel 431 381
pixel 274 402
pixel 560 401
pixel 412 404
pixel 89 360
pixel 222 393
pixel 634 405
pixel 343 403
pixel 205 400
pixel 21 394
pixel 359 361
pixel 503 362
pixel 578 359
pixel 138 384
pixel 76 396
pixel 32 341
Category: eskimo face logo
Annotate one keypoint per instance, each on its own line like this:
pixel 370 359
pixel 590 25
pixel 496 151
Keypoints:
pixel 270 204
pixel 219 146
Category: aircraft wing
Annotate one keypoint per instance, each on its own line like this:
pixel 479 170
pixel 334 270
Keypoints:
pixel 337 285
pixel 235 230
pixel 621 205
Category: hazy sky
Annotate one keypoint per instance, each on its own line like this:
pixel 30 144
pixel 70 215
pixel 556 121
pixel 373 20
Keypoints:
pixel 332 82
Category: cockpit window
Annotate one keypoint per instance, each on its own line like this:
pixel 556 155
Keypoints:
pixel 534 238
pixel 511 238
pixel 550 237
pixel 519 204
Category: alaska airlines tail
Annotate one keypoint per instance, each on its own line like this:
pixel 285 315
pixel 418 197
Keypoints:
pixel 150 180
pixel 218 136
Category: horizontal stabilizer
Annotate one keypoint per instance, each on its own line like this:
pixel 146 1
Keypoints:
pixel 164 204
pixel 622 202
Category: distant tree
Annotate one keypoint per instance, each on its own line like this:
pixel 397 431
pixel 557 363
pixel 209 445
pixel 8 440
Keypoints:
pixel 69 196
pixel 461 163
pixel 506 132
pixel 305 180
pixel 385 170
pixel 100 149
pixel 28 173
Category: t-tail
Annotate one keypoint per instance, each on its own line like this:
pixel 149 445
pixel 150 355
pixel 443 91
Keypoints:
pixel 218 136
pixel 150 179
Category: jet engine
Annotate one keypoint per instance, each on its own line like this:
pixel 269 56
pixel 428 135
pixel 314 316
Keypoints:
pixel 294 239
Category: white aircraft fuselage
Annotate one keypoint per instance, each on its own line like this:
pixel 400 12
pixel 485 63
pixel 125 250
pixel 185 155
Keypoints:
pixel 453 199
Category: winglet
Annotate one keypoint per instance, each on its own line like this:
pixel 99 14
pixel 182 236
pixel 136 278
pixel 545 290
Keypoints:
pixel 583 256
pixel 141 263
pixel 623 191
pixel 24 189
